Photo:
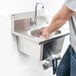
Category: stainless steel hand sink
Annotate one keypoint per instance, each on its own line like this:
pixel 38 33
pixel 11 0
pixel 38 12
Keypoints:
pixel 28 35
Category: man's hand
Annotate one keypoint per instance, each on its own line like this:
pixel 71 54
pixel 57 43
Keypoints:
pixel 44 32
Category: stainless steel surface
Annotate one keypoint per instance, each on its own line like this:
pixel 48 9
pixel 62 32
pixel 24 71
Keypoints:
pixel 21 25
pixel 36 6
pixel 37 32
pixel 33 21
pixel 53 47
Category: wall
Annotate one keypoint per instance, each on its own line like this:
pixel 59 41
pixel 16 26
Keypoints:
pixel 13 63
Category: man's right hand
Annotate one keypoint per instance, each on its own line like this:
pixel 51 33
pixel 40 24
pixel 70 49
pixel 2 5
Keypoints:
pixel 44 32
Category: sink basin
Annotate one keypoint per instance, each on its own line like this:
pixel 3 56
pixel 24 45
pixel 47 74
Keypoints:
pixel 37 32
pixel 22 27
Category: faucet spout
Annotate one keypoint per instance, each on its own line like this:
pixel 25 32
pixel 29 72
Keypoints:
pixel 35 20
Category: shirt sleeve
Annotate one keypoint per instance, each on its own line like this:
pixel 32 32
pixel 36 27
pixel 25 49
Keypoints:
pixel 71 4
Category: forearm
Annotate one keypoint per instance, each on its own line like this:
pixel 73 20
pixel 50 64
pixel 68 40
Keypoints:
pixel 60 19
pixel 55 25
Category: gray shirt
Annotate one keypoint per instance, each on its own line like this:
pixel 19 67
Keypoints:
pixel 71 4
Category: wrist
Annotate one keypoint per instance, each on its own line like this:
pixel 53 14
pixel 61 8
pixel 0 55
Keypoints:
pixel 49 30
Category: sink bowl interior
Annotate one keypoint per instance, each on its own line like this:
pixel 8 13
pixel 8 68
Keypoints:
pixel 37 32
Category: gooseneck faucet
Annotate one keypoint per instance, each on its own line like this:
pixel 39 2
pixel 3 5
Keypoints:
pixel 35 19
